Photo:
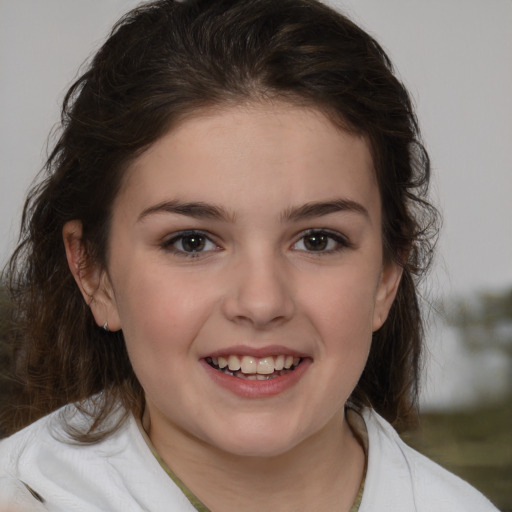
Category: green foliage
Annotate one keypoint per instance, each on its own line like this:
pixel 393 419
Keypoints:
pixel 474 444
pixel 486 308
pixel 484 321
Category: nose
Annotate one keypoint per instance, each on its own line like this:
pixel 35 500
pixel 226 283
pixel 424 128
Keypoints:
pixel 259 292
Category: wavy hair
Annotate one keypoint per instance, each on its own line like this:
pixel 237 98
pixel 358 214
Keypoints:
pixel 163 61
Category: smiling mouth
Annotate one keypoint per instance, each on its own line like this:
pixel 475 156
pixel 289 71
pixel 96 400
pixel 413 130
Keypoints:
pixel 254 368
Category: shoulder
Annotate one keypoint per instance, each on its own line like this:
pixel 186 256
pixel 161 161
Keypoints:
pixel 42 460
pixel 117 473
pixel 13 447
pixel 16 451
pixel 47 437
pixel 401 479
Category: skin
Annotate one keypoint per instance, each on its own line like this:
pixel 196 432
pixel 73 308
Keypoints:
pixel 255 284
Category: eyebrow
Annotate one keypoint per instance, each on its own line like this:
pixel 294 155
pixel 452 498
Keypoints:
pixel 201 210
pixel 321 208
pixel 197 210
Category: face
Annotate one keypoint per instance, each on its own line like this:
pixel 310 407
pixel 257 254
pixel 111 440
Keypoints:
pixel 246 272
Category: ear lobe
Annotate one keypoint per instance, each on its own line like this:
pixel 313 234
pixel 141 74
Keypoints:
pixel 386 293
pixel 92 280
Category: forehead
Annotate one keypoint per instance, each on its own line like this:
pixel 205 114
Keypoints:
pixel 257 152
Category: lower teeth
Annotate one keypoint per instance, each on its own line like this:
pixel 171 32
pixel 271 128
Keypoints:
pixel 254 376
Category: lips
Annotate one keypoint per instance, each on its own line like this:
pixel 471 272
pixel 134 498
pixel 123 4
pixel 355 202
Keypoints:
pixel 254 368
pixel 256 373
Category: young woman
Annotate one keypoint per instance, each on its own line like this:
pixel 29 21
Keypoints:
pixel 215 288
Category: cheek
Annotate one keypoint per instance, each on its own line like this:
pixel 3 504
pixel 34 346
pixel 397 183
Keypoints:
pixel 343 303
pixel 341 310
pixel 160 314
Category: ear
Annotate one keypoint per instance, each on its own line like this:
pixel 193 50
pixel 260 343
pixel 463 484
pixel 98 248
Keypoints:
pixel 92 279
pixel 386 292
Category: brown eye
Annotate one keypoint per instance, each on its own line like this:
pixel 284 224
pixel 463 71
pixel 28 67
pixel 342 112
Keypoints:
pixel 192 243
pixel 321 241
pixel 316 242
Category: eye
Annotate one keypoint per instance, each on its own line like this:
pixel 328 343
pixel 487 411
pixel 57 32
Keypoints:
pixel 321 241
pixel 190 243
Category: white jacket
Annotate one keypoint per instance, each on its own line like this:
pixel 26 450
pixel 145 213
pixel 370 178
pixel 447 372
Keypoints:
pixel 121 474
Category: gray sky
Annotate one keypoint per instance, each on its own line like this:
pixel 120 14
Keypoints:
pixel 455 56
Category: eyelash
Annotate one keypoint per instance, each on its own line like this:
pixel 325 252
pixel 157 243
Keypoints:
pixel 168 245
pixel 327 236
pixel 340 240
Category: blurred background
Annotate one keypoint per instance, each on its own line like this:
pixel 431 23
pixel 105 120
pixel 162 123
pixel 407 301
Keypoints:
pixel 455 57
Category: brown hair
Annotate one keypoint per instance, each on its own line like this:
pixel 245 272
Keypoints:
pixel 161 62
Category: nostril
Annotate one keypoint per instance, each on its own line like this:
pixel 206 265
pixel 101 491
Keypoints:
pixel 260 292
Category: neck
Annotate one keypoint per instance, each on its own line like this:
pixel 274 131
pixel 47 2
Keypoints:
pixel 324 472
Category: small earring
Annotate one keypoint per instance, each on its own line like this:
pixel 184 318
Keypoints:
pixel 105 327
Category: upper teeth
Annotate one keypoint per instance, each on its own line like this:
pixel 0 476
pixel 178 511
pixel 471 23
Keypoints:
pixel 250 364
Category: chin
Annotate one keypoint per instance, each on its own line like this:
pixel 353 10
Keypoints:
pixel 263 441
pixel 258 449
